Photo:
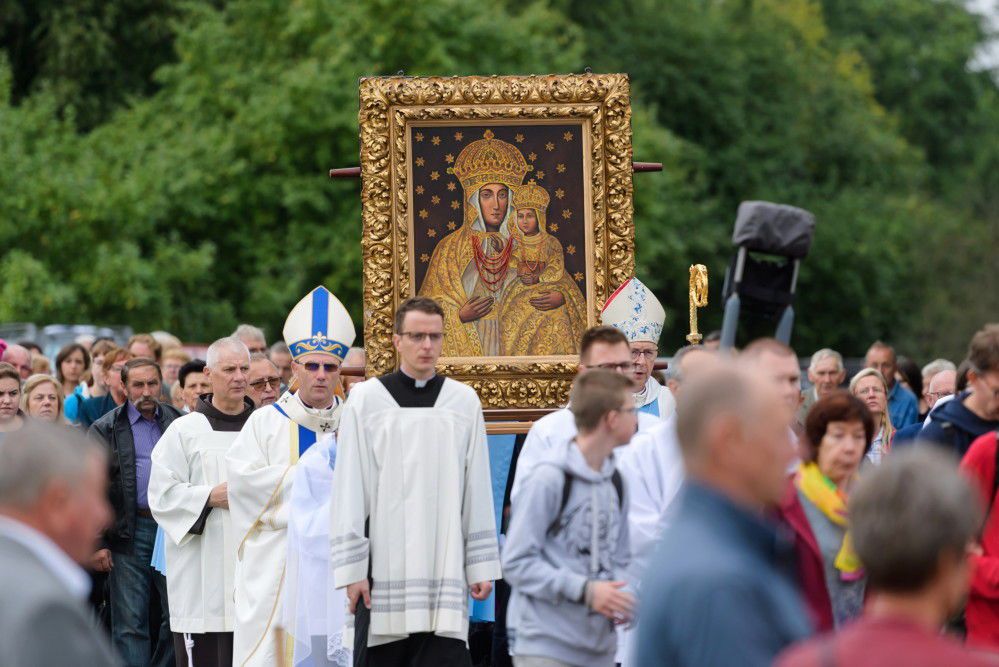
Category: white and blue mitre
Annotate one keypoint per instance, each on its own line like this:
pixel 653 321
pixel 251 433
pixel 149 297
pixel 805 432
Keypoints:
pixel 636 312
pixel 319 323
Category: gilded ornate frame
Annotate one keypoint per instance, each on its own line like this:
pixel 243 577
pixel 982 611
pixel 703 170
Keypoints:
pixel 389 105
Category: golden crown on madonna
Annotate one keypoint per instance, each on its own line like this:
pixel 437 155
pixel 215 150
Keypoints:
pixel 531 195
pixel 490 160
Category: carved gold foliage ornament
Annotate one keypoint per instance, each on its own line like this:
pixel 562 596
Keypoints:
pixel 391 110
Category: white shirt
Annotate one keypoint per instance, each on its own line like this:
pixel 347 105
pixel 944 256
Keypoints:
pixel 55 559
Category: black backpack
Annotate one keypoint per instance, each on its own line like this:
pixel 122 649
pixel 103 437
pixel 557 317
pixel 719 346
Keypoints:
pixel 567 489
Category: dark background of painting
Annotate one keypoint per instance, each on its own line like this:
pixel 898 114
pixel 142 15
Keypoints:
pixel 440 141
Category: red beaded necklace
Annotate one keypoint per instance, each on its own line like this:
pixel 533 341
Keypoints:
pixel 491 268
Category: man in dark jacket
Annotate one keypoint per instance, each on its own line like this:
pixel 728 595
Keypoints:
pixel 957 423
pixel 130 432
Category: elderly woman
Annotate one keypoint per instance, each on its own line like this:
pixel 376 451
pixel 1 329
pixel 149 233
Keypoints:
pixel 869 386
pixel 11 418
pixel 838 432
pixel 42 398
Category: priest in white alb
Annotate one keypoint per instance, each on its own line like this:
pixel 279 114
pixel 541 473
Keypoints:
pixel 638 314
pixel 600 347
pixel 413 530
pixel 188 499
pixel 261 467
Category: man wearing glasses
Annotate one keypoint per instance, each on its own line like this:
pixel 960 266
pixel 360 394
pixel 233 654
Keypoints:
pixel 413 531
pixel 189 500
pixel 264 380
pixel 637 313
pixel 261 463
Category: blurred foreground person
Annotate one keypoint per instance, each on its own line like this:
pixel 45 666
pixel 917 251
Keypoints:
pixel 714 593
pixel 52 509
pixel 913 520
pixel 982 613
pixel 838 432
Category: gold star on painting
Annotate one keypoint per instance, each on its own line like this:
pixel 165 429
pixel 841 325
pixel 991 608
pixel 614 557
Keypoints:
pixel 567 136
pixel 435 140
pixel 433 232
pixel 424 258
pixel 449 158
pixel 419 162
pixel 559 193
pixel 567 213
pixel 451 225
pixel 435 200
pixel 519 138
pixel 532 156
pixel 541 175
pixel 424 213
pixel 571 249
pixel 549 146
pixel 560 168
pixel 419 136
pixel 578 276
pixel 450 186
pixel 434 175
pixel 455 205
pixel 553 227
pixel 458 136
pixel 419 189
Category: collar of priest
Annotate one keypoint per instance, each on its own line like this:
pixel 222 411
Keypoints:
pixel 411 393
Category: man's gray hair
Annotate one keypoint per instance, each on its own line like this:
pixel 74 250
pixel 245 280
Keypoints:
pixel 39 453
pixel 279 347
pixel 822 355
pixel 673 369
pixel 230 343
pixel 725 390
pixel 907 512
pixel 260 356
pixel 357 351
pixel 938 366
pixel 249 332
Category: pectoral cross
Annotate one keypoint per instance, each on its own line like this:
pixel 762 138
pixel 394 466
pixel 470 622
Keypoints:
pixel 325 427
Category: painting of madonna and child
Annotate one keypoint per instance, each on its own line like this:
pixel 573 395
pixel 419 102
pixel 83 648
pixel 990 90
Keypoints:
pixel 500 235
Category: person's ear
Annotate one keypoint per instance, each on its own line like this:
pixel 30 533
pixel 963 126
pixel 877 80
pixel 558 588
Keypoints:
pixel 396 341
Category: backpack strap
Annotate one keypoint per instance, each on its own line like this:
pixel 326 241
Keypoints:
pixel 566 490
pixel 995 478
pixel 616 480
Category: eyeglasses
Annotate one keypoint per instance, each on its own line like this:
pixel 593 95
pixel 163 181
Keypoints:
pixel 271 382
pixel 623 367
pixel 934 396
pixel 313 367
pixel 419 337
pixel 647 354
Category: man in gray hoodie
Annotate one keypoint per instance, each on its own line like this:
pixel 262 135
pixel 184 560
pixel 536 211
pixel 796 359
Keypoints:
pixel 566 550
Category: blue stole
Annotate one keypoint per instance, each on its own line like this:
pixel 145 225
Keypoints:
pixel 651 409
pixel 301 437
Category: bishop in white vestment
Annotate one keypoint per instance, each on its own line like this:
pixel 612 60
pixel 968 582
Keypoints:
pixel 261 465
pixel 638 314
pixel 187 496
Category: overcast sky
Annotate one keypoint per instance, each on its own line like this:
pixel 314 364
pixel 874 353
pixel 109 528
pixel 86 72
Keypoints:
pixel 989 55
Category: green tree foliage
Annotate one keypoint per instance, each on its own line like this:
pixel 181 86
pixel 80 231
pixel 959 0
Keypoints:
pixel 162 162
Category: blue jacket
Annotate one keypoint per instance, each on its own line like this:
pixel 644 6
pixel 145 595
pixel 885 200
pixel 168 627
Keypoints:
pixel 720 589
pixel 954 426
pixel 903 408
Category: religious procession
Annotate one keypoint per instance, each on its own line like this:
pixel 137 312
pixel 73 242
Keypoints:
pixel 306 361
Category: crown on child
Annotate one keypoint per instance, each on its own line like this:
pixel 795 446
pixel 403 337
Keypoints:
pixel 531 195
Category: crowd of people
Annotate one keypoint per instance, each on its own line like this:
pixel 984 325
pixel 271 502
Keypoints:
pixel 259 507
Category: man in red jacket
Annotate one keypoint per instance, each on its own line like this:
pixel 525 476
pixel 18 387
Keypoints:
pixel 982 615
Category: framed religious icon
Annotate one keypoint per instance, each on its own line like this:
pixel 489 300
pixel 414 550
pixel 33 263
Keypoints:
pixel 508 200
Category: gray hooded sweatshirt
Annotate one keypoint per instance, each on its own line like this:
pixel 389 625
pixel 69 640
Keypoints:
pixel 548 571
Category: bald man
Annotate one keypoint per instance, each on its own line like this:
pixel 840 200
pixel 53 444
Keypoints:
pixel 715 593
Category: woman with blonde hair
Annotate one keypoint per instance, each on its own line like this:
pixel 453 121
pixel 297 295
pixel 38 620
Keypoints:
pixel 869 386
pixel 42 398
